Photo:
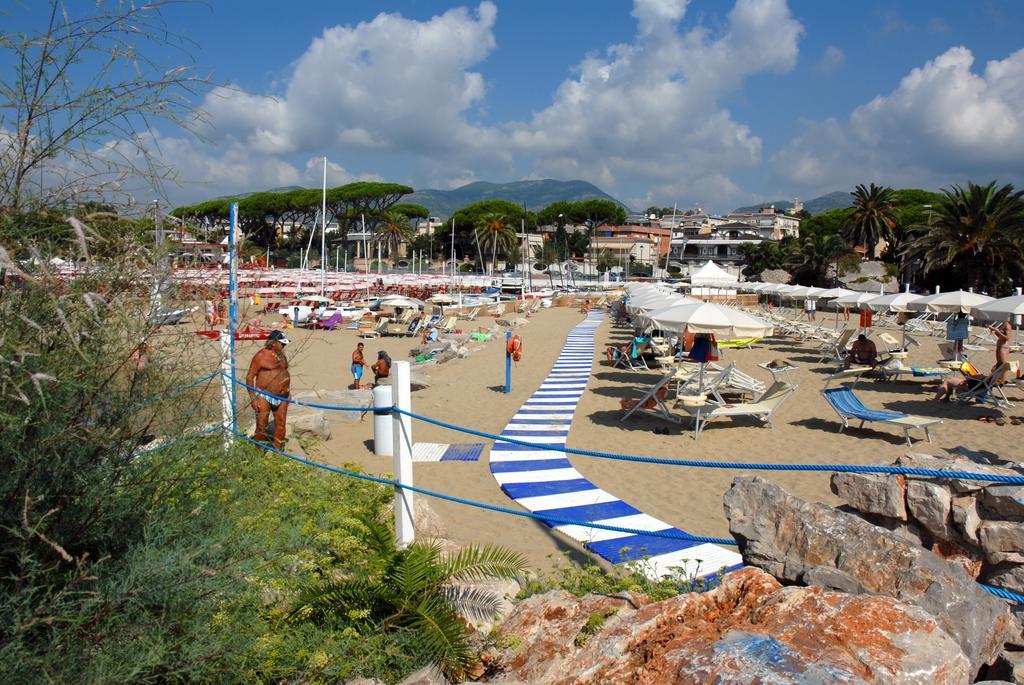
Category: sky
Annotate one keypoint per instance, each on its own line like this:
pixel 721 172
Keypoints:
pixel 710 103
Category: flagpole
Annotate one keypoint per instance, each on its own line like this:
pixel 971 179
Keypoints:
pixel 323 235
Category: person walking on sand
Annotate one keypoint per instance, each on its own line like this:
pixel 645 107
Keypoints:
pixel 358 364
pixel 268 374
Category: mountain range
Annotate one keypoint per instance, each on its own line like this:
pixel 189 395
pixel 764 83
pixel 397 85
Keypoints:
pixel 816 206
pixel 538 194
pixel 535 195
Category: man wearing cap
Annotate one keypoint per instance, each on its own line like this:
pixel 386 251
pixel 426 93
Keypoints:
pixel 268 373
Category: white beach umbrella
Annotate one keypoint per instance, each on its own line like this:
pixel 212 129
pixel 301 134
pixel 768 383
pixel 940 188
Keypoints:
pixel 854 299
pixel 833 293
pixel 706 317
pixel 1001 309
pixel 952 302
pixel 400 301
pixel 895 302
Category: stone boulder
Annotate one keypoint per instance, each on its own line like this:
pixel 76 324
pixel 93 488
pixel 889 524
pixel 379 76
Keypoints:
pixel 814 544
pixel 310 423
pixel 748 629
pixel 428 675
pixel 775 276
pixel 419 379
pixel 334 398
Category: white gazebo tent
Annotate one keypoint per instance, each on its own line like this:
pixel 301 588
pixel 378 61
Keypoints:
pixel 712 279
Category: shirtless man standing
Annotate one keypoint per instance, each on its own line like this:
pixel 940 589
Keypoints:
pixel 268 371
pixel 358 364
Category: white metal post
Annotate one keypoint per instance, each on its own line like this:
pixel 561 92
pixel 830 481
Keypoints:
pixel 405 534
pixel 227 405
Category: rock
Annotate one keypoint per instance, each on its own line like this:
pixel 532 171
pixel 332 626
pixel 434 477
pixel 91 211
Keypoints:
pixel 813 543
pixel 1009 666
pixel 1003 501
pixel 427 522
pixel 428 675
pixel 364 681
pixel 956 463
pixel 1002 541
pixel 419 379
pixel 775 276
pixel 312 423
pixel 1007 576
pixel 748 629
pixel 871 493
pixel 462 352
pixel 964 512
pixel 929 504
pixel 445 356
pixel 335 398
pixel 503 591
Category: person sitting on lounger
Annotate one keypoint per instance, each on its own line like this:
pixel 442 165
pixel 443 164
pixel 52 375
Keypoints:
pixel 613 352
pixel 429 334
pixel 967 379
pixel 862 353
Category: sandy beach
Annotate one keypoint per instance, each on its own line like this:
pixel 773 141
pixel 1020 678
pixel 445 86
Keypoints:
pixel 470 392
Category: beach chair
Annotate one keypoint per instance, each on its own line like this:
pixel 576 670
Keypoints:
pixel 988 390
pixel 763 409
pixel 414 326
pixel 848 406
pixel 632 360
pixel 374 330
pixel 446 325
pixel 652 401
pixel 835 351
pixel 470 315
pixel 738 343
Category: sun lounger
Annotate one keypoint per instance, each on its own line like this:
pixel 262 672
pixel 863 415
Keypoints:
pixel 652 401
pixel 471 315
pixel 374 331
pixel 848 406
pixel 988 390
pixel 632 359
pixel 835 350
pixel 764 408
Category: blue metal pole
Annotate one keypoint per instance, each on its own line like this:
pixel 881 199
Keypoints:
pixel 508 364
pixel 233 310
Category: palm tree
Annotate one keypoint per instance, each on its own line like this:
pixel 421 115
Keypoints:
pixel 872 217
pixel 413 589
pixel 977 232
pixel 394 230
pixel 493 230
pixel 816 253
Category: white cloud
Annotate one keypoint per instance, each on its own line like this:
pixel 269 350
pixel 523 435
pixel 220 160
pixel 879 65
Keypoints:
pixel 649 111
pixel 388 84
pixel 645 114
pixel 944 123
pixel 832 60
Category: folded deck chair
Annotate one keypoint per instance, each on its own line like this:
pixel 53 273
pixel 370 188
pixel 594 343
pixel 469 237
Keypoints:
pixel 739 342
pixel 764 408
pixel 848 406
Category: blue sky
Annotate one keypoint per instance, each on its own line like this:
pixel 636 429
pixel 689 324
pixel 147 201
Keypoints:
pixel 716 103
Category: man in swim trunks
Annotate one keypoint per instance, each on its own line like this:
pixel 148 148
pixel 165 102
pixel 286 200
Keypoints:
pixel 268 372
pixel 358 363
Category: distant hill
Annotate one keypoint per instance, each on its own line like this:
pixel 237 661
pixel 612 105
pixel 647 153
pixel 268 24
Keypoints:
pixel 816 206
pixel 240 196
pixel 536 195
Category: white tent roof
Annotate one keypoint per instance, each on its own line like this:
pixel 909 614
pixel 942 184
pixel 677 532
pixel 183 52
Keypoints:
pixel 711 274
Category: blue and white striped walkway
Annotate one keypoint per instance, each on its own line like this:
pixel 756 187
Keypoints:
pixel 544 482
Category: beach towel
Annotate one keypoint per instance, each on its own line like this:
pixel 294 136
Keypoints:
pixel 921 371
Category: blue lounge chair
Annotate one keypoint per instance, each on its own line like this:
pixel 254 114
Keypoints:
pixel 848 406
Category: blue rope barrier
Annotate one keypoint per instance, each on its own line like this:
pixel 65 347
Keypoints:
pixel 194 383
pixel 839 468
pixel 674 535
pixel 1003 594
pixel 176 441
pixel 289 400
